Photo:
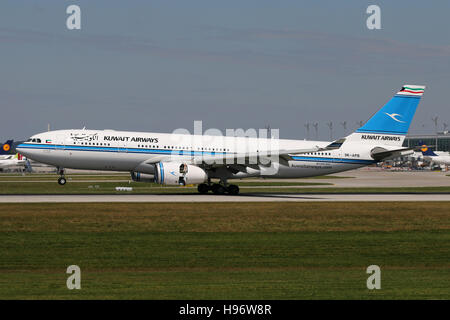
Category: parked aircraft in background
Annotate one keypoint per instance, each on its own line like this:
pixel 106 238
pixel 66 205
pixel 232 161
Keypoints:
pixel 176 159
pixel 13 161
pixel 433 157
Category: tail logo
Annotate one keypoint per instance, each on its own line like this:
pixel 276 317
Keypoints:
pixel 394 116
pixel 424 148
pixel 6 147
pixel 413 89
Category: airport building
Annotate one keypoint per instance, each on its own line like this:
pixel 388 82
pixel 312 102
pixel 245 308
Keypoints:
pixel 437 142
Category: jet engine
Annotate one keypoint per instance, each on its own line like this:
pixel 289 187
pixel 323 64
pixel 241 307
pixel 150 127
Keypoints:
pixel 177 173
pixel 142 177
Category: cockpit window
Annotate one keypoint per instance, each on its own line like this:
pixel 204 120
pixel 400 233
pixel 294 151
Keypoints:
pixel 38 140
pixel 29 140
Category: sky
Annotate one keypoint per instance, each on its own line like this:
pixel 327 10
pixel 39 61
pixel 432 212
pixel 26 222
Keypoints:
pixel 158 66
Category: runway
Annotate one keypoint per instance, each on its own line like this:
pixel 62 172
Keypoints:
pixel 224 198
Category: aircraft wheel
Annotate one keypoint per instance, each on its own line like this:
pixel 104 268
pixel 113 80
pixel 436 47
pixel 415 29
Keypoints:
pixel 62 181
pixel 218 189
pixel 233 189
pixel 203 188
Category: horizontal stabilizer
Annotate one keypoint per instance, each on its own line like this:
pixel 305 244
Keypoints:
pixel 380 153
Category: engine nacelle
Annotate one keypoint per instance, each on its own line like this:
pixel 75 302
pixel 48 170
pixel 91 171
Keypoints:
pixel 142 177
pixel 178 173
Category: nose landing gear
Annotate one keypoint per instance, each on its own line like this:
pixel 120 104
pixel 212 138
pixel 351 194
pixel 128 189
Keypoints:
pixel 62 179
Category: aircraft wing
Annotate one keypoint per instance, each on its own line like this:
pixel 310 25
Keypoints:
pixel 237 160
pixel 381 154
pixel 252 158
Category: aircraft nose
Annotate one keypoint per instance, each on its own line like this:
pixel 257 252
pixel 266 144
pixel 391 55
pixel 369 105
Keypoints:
pixel 22 150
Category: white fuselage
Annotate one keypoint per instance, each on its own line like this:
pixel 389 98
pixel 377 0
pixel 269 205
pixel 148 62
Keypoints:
pixel 134 151
pixel 439 159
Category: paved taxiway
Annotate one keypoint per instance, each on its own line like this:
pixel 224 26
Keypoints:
pixel 223 198
pixel 370 177
pixel 367 177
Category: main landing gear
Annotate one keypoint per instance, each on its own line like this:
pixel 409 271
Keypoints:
pixel 217 188
pixel 62 179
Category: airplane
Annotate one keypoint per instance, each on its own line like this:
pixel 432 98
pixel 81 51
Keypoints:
pixel 12 160
pixel 181 159
pixel 430 155
pixel 9 160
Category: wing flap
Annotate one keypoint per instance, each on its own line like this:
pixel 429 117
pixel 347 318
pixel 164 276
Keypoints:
pixel 253 158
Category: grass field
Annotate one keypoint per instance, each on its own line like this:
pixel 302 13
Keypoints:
pixel 108 187
pixel 225 250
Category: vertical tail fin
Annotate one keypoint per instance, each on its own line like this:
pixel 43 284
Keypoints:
pixel 396 115
pixel 427 151
pixel 6 147
pixel 391 123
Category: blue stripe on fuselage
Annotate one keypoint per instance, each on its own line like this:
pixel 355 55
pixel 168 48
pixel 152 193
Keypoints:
pixel 119 149
pixel 333 160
